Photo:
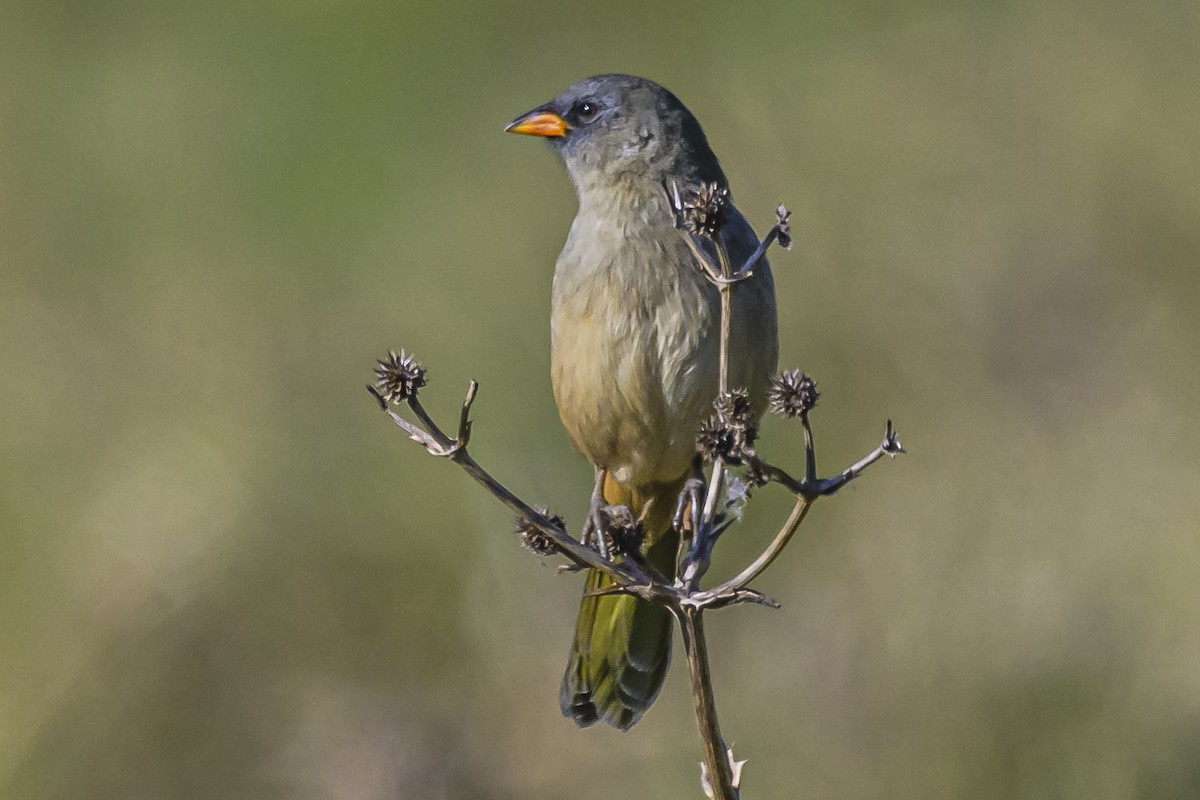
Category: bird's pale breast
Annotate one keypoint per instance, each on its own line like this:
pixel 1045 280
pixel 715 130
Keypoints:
pixel 635 334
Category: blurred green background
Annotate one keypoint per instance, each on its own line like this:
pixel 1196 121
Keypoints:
pixel 224 574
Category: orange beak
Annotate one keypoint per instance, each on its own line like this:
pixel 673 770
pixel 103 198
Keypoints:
pixel 539 122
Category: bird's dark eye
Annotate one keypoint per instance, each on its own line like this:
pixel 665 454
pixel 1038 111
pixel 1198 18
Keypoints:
pixel 585 110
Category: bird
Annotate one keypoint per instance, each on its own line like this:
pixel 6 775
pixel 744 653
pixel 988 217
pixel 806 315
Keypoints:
pixel 635 350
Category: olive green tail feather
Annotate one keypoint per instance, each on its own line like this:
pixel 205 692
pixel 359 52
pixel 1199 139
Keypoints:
pixel 622 645
pixel 619 658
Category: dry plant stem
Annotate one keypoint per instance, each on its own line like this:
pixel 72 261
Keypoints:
pixel 717 766
pixel 691 620
pixel 747 269
pixel 705 532
pixel 712 493
pixel 438 443
pixel 726 290
pixel 810 450
pixel 807 491
pixel 890 446
pixel 765 559
pixel 705 264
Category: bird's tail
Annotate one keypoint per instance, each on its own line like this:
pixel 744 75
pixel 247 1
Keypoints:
pixel 622 645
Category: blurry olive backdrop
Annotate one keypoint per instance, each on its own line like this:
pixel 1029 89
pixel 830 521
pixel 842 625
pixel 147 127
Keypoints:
pixel 223 574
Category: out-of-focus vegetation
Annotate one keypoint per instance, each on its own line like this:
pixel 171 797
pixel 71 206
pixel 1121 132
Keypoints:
pixel 223 574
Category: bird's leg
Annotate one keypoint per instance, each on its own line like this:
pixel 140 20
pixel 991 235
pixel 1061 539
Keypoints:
pixel 594 525
pixel 687 510
pixel 697 491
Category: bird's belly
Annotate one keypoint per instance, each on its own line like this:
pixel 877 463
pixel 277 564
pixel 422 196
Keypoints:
pixel 634 375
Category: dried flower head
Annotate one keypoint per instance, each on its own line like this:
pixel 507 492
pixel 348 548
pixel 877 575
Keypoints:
pixel 714 440
pixel 729 442
pixel 623 532
pixel 730 433
pixel 399 376
pixel 733 407
pixel 792 393
pixel 703 211
pixel 533 538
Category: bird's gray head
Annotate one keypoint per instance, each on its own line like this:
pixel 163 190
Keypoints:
pixel 620 130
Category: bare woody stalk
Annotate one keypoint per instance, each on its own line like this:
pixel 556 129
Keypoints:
pixel 720 775
pixel 701 216
pixel 726 441
pixel 730 436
